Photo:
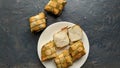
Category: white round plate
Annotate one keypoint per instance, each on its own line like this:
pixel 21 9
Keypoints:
pixel 47 35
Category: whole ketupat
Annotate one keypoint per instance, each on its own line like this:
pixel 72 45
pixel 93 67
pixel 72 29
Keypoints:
pixel 37 22
pixel 77 50
pixel 63 60
pixel 48 51
pixel 55 6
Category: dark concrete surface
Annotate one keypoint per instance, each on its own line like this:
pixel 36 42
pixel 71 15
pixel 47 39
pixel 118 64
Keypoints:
pixel 100 19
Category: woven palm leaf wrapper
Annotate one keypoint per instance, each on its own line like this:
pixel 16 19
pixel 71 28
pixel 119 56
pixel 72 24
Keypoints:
pixel 48 51
pixel 37 22
pixel 63 60
pixel 77 50
pixel 55 6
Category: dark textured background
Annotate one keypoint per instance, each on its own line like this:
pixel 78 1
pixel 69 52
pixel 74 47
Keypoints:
pixel 100 19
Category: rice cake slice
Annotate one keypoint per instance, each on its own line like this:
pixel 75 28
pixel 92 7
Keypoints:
pixel 61 38
pixel 75 33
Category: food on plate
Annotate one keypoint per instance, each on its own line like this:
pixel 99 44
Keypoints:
pixel 65 48
pixel 48 51
pixel 63 60
pixel 37 22
pixel 61 38
pixel 55 6
pixel 77 50
pixel 75 33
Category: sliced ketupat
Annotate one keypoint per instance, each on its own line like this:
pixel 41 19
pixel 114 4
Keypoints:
pixel 61 38
pixel 75 33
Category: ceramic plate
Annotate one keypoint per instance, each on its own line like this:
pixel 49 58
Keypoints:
pixel 47 35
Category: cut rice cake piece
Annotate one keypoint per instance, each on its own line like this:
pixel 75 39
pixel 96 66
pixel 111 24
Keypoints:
pixel 77 50
pixel 61 38
pixel 55 6
pixel 37 22
pixel 75 33
pixel 48 51
pixel 63 60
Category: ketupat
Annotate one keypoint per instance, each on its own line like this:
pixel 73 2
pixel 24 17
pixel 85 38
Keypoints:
pixel 55 6
pixel 37 22
pixel 63 60
pixel 75 33
pixel 48 51
pixel 77 50
pixel 61 38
